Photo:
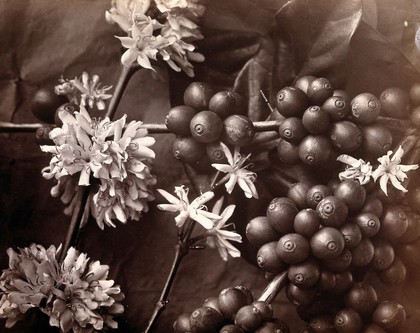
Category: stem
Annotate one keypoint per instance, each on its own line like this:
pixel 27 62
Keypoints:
pixel 213 182
pixel 76 219
pixel 274 287
pixel 125 75
pixel 180 251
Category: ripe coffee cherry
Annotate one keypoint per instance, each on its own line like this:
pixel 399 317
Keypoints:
pixel 42 135
pixel 319 90
pixel 343 282
pixel 339 264
pixel 68 107
pixel 337 107
pixel 215 152
pixel 297 192
pixel 389 315
pixel 268 259
pixel 395 102
pixel 327 243
pixel 413 228
pixel 44 104
pixel 259 231
pixel 305 274
pixel 395 274
pixel 415 116
pixel 211 302
pixel 383 255
pixel 373 328
pixel 206 320
pixel 281 213
pixel 346 136
pixel 333 211
pixel 300 296
pixel 414 94
pixel 362 254
pixel 291 129
pixel 368 223
pixel 230 301
pixel 327 280
pixel 238 130
pixel 287 152
pixel 316 120
pixel 226 103
pixel 372 205
pixel 248 318
pixel 182 324
pixel 342 93
pixel 316 194
pixel 291 102
pixel 362 297
pixel 394 222
pixel 188 150
pixel 231 328
pixel 198 95
pixel 352 234
pixel 365 108
pixel 348 321
pixel 277 326
pixel 206 126
pixel 265 309
pixel 352 193
pixel 377 140
pixel 293 248
pixel 178 119
pixel 303 82
pixel 315 150
pixel 307 222
pixel 322 324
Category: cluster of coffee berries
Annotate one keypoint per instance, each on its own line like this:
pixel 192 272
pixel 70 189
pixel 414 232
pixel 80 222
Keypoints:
pixel 232 311
pixel 328 237
pixel 206 119
pixel 320 123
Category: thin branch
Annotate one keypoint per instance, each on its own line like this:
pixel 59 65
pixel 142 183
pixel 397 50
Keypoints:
pixel 274 287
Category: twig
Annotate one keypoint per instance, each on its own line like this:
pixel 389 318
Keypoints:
pixel 74 227
pixel 274 287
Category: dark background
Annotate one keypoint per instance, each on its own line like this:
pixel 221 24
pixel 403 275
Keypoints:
pixel 358 46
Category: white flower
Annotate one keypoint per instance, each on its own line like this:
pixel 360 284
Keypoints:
pixel 196 210
pixel 91 91
pixel 390 169
pixel 355 169
pixel 121 12
pixel 237 173
pixel 218 237
pixel 192 6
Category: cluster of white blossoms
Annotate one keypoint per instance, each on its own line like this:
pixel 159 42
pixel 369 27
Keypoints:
pixel 158 30
pixel 76 294
pixel 111 155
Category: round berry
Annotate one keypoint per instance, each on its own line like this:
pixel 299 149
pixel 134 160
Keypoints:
pixel 346 136
pixel 293 248
pixel 188 150
pixel 211 302
pixel 383 255
pixel 377 140
pixel 414 94
pixel 373 205
pixel 368 223
pixel 287 152
pixel 316 120
pixel 226 103
pixel 206 126
pixel 248 318
pixel 307 222
pixel 395 102
pixel 303 82
pixel 268 259
pixel 394 222
pixel 333 211
pixel 339 264
pixel 319 91
pixel 348 321
pixel 304 274
pixel 178 119
pixel 198 95
pixel 281 213
pixel 315 150
pixel 395 274
pixel 337 107
pixel 362 297
pixel 238 130
pixel 45 103
pixel 373 328
pixel 206 320
pixel 231 328
pixel 297 192
pixel 300 296
pixel 415 116
pixel 365 108
pixel 259 231
pixel 389 315
pixel 316 194
pixel 42 135
pixel 362 254
pixel 291 102
pixel 277 326
pixel 70 108
pixel 352 193
pixel 266 310
pixel 182 324
pixel 215 152
pixel 230 301
pixel 322 324
pixel 352 234
pixel 246 292
pixel 327 243
pixel 413 229
pixel 291 129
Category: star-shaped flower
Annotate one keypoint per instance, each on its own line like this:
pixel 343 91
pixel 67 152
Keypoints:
pixel 355 169
pixel 237 173
pixel 390 169
pixel 91 91
pixel 196 210
pixel 219 237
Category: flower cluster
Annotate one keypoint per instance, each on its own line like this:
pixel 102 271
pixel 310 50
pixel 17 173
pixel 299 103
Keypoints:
pixel 389 169
pixel 159 29
pixel 75 294
pixel 90 91
pixel 115 156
